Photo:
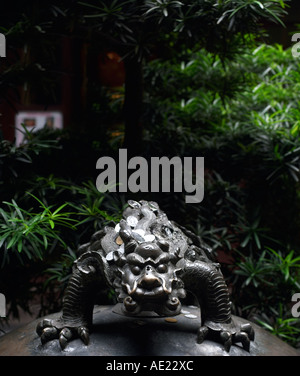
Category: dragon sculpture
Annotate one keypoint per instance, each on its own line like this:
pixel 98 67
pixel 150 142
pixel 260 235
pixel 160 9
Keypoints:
pixel 150 262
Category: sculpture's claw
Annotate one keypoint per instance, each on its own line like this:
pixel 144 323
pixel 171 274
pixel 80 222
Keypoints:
pixel 48 334
pixel 42 325
pixel 202 334
pixel 244 339
pixel 245 335
pixel 84 334
pixel 226 339
pixel 65 336
pixel 247 328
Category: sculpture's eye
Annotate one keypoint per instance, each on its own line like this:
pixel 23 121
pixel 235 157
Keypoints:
pixel 136 270
pixel 191 255
pixel 162 268
pixel 167 230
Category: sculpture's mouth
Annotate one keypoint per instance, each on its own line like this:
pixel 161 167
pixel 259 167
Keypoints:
pixel 168 306
pixel 154 293
pixel 150 292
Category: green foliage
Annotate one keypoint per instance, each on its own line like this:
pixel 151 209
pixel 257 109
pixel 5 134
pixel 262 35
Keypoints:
pixel 43 226
pixel 28 232
pixel 134 28
pixel 12 158
pixel 269 268
pixel 268 282
pixel 61 270
pixel 90 207
pixel 286 328
pixel 44 219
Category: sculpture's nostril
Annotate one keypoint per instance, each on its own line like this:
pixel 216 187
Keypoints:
pixel 150 281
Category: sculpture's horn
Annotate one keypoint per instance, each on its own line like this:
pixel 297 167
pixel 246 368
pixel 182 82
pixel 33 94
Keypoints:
pixel 126 235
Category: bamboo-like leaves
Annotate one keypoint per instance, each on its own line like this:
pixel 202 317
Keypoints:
pixel 28 232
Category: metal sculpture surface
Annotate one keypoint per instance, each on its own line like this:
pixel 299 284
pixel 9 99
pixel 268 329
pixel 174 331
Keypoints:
pixel 150 262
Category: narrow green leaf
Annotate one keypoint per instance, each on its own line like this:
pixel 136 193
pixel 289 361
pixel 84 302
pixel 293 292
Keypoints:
pixel 45 241
pixel 20 245
pixel 11 243
pixel 51 224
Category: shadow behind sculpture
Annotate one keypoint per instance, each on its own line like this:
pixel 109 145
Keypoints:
pixel 150 262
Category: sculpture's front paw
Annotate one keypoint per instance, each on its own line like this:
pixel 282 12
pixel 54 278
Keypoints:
pixel 52 329
pixel 227 333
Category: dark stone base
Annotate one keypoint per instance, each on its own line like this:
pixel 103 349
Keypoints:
pixel 117 335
